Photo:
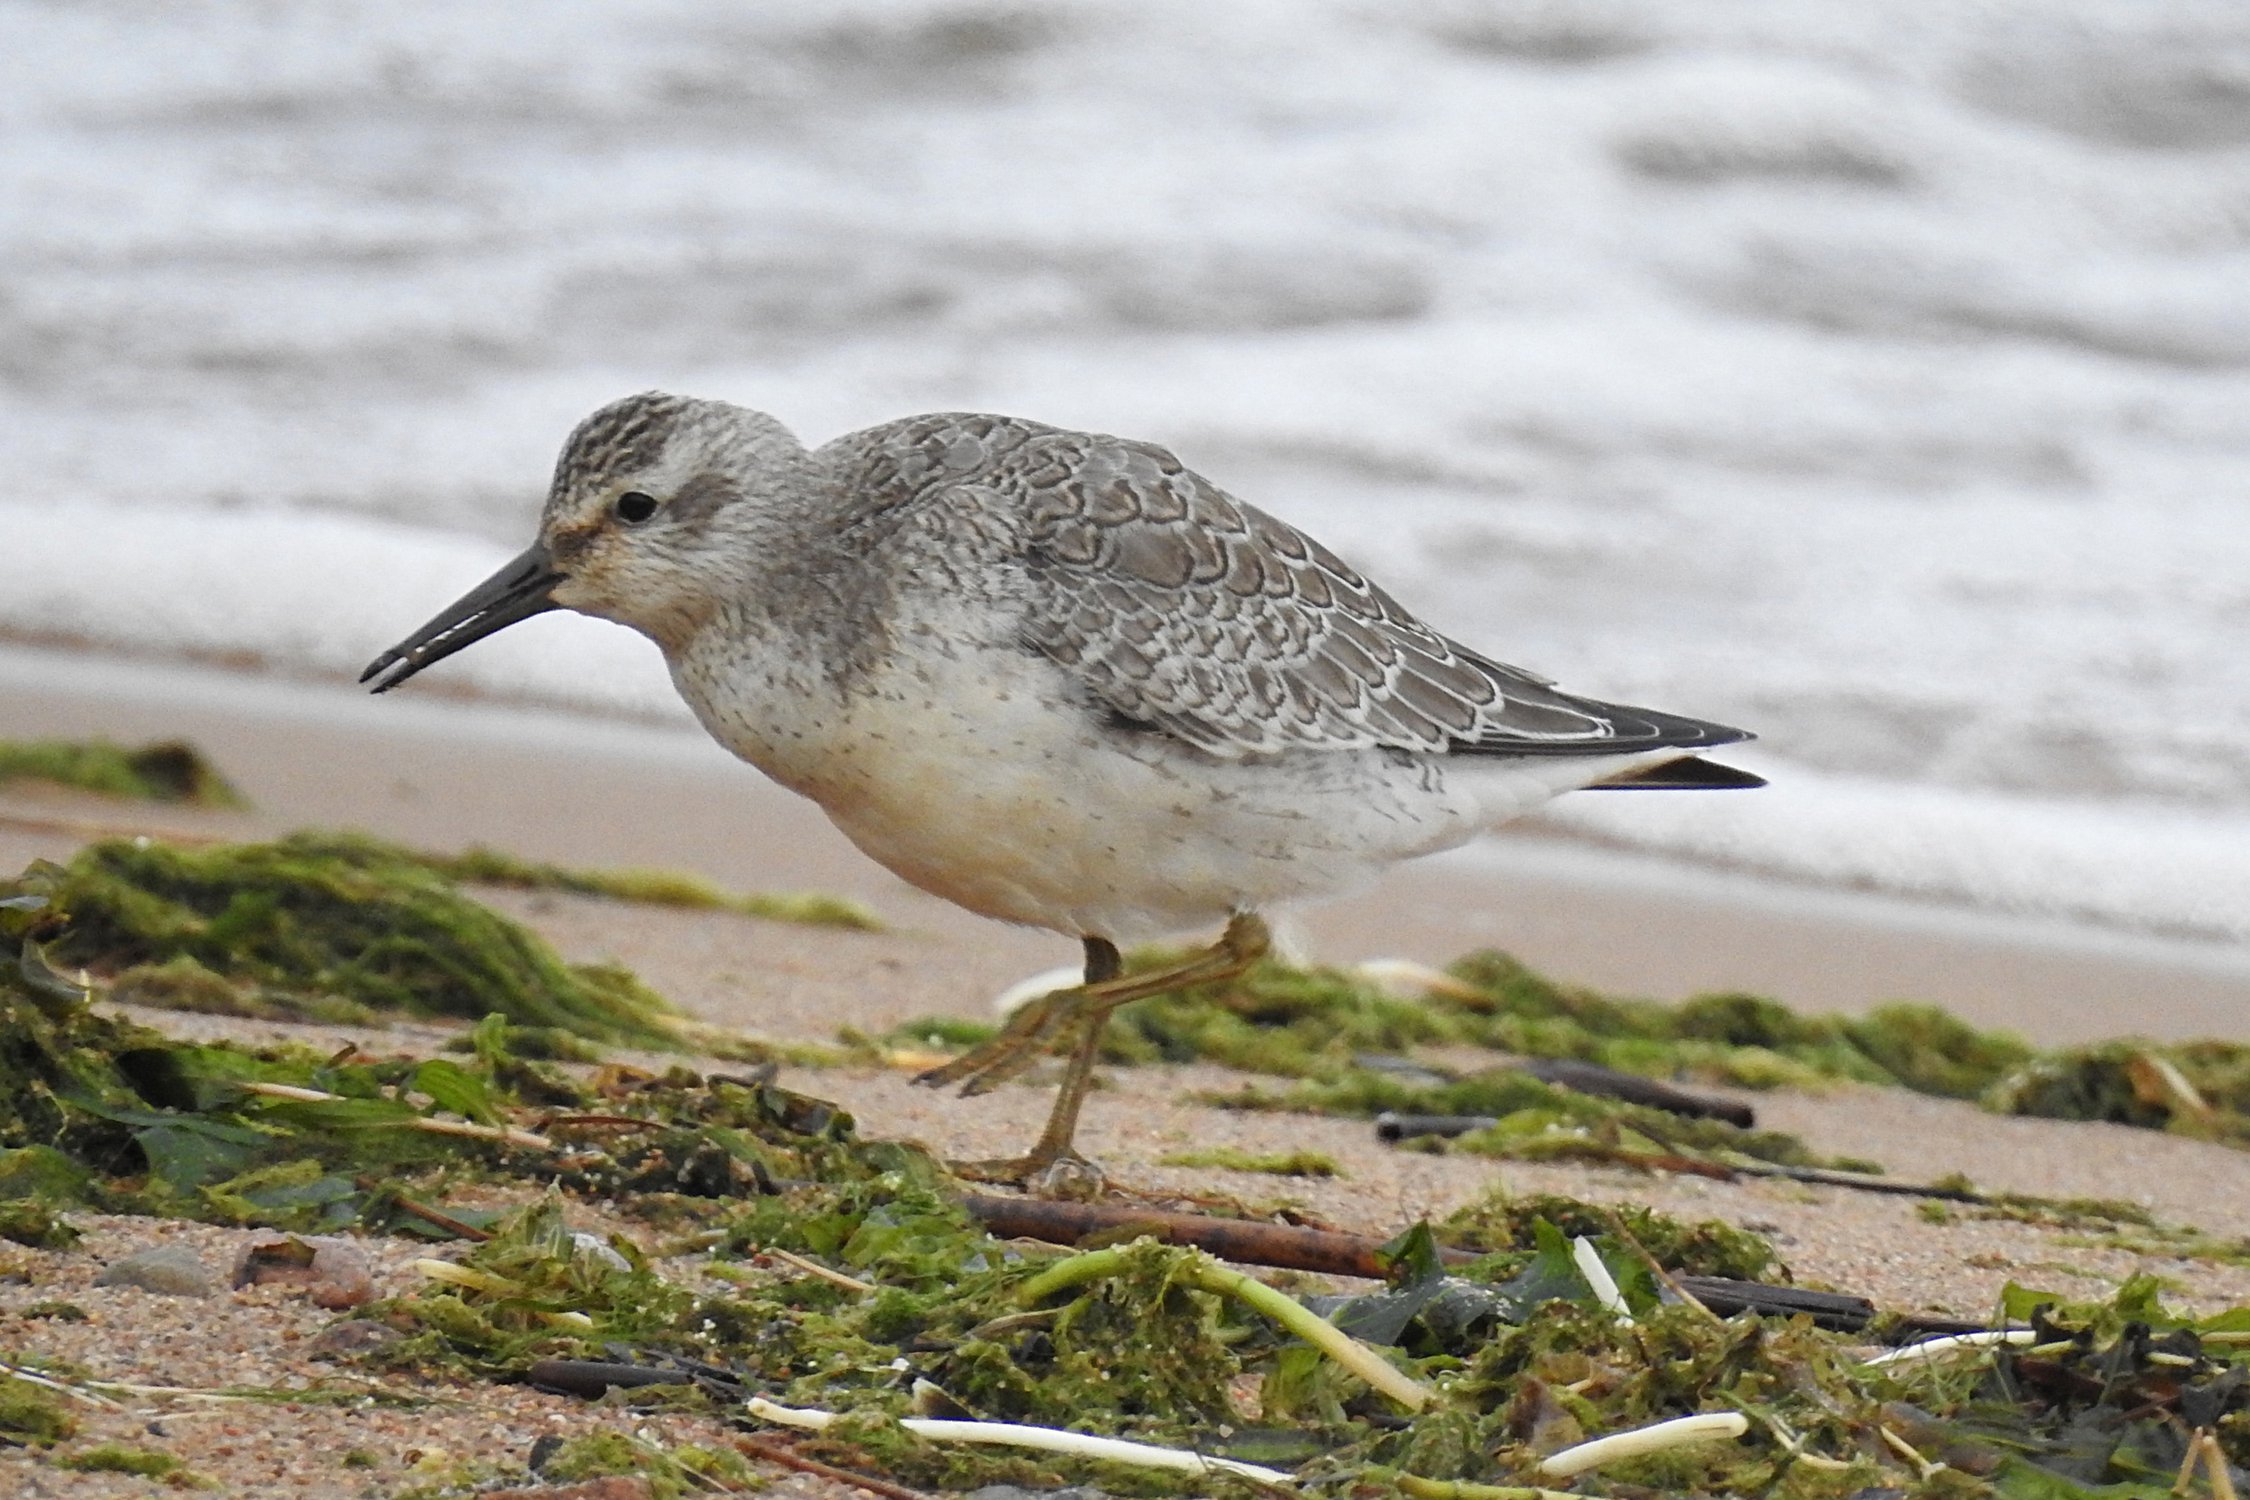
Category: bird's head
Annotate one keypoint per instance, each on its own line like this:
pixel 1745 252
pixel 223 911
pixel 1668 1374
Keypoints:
pixel 652 519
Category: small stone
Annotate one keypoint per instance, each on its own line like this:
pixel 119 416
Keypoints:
pixel 335 1273
pixel 350 1339
pixel 167 1270
pixel 345 1276
pixel 1017 1492
pixel 608 1487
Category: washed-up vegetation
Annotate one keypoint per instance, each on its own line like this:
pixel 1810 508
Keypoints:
pixel 1320 1026
pixel 315 926
pixel 482 866
pixel 843 1283
pixel 167 771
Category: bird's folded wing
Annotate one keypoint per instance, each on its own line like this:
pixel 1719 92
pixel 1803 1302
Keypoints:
pixel 1181 608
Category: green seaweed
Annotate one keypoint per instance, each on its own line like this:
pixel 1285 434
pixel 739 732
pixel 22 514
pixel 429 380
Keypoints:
pixel 1315 1024
pixel 165 771
pixel 28 1221
pixel 2123 1082
pixel 1311 1023
pixel 31 1415
pixel 1534 1120
pixel 323 919
pixel 483 866
pixel 118 1458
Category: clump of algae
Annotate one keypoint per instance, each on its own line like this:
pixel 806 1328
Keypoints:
pixel 479 865
pixel 166 771
pixel 1317 1024
pixel 323 926
pixel 1535 1120
pixel 31 1415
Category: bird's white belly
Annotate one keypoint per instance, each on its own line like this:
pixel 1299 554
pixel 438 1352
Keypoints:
pixel 974 777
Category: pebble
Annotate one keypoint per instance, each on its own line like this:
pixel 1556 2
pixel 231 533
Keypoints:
pixel 609 1487
pixel 335 1273
pixel 350 1339
pixel 168 1270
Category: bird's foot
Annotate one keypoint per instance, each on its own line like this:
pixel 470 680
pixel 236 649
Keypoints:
pixel 985 1067
pixel 1068 1176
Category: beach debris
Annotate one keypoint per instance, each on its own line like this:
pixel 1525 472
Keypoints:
pixel 1705 1427
pixel 479 865
pixel 607 1487
pixel 351 1339
pixel 167 1270
pixel 27 1221
pixel 121 1458
pixel 1329 1028
pixel 163 771
pixel 1985 1338
pixel 32 1413
pixel 334 1273
pixel 2190 1088
pixel 1208 1275
pixel 1608 1083
pixel 1045 1439
pixel 317 926
pixel 853 1278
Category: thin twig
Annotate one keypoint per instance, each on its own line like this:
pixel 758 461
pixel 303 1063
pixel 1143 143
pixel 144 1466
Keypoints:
pixel 60 1387
pixel 88 828
pixel 425 1213
pixel 815 1268
pixel 1464 1489
pixel 788 1458
pixel 1931 1348
pixel 1617 1227
pixel 506 1134
pixel 1923 1468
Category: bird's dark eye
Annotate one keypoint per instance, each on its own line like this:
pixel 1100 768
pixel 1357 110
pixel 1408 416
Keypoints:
pixel 633 507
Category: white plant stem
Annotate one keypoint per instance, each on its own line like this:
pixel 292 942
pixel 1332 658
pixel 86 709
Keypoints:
pixel 1045 1439
pixel 1708 1427
pixel 1597 1276
pixel 1952 1344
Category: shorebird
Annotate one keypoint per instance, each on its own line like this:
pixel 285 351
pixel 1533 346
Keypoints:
pixel 1055 677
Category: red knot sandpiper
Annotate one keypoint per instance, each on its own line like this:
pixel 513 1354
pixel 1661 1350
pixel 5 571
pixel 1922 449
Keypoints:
pixel 1055 677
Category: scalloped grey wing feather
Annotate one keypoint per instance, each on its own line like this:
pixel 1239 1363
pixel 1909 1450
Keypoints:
pixel 1183 608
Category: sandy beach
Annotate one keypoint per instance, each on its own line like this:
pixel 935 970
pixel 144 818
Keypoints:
pixel 444 774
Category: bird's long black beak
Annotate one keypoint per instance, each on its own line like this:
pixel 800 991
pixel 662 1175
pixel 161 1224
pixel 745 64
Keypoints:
pixel 517 592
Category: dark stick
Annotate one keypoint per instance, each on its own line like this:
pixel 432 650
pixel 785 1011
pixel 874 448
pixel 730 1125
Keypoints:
pixel 776 1453
pixel 1608 1083
pixel 1281 1245
pixel 425 1213
pixel 592 1378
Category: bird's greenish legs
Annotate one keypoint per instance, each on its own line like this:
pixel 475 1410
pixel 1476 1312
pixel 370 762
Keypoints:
pixel 1086 1007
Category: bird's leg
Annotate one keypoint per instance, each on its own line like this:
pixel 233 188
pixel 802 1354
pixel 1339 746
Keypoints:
pixel 1245 941
pixel 992 1063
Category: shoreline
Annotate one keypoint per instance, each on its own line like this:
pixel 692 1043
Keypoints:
pixel 444 772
